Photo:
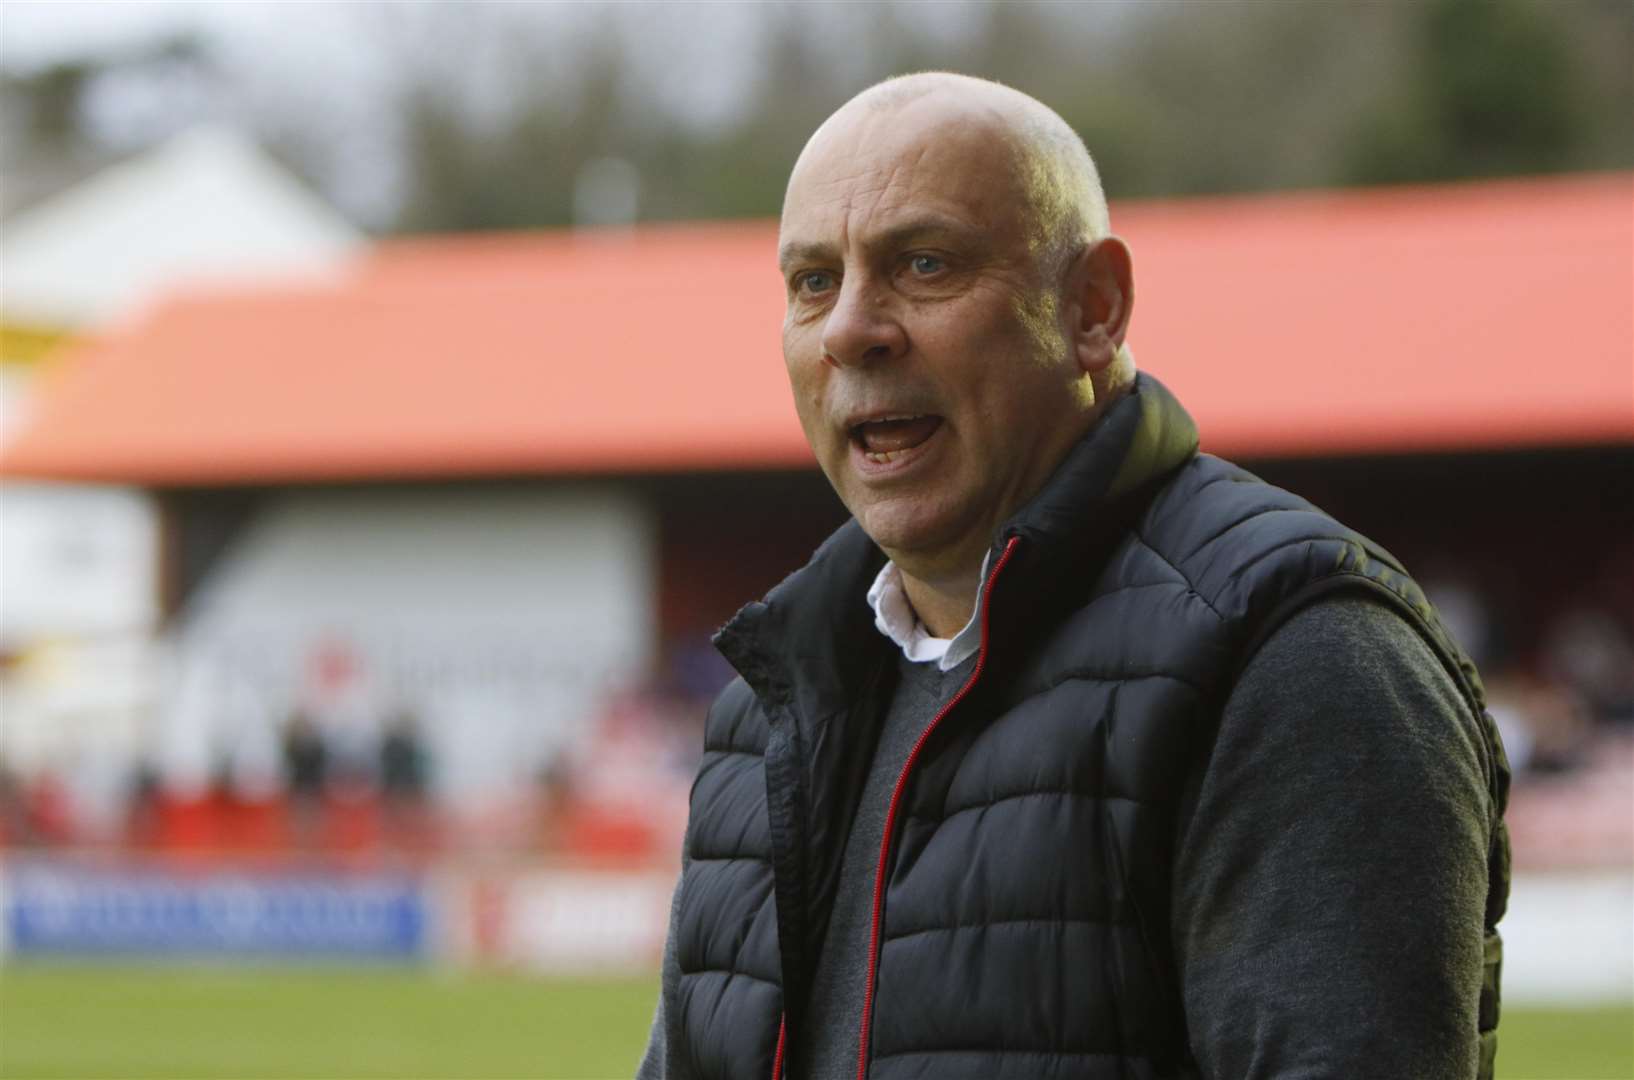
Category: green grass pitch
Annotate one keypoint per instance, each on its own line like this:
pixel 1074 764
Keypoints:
pixel 287 1023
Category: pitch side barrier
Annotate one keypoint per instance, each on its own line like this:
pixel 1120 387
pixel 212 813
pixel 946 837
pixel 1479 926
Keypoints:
pixel 550 919
pixel 68 906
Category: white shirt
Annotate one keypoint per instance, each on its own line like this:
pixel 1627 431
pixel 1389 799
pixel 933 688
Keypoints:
pixel 896 619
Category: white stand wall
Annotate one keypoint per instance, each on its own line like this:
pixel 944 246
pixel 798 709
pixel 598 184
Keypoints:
pixel 500 615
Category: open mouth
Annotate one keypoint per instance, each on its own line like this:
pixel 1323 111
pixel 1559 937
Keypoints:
pixel 888 438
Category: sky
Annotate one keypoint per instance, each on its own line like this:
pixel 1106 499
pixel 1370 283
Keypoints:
pixel 331 69
pixel 331 73
pixel 34 34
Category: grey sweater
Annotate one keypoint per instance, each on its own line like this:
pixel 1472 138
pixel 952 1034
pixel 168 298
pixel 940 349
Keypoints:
pixel 1327 922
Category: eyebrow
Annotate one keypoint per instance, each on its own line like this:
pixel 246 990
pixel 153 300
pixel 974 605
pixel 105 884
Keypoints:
pixel 899 234
pixel 797 251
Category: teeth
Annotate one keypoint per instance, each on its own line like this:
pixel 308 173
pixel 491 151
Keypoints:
pixel 881 457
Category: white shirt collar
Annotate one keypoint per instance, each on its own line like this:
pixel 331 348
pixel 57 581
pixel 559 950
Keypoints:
pixel 895 617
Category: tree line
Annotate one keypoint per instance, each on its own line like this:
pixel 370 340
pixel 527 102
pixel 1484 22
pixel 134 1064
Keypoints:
pixel 493 117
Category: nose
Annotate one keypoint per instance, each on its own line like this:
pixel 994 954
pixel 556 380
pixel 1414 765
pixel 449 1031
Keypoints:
pixel 860 328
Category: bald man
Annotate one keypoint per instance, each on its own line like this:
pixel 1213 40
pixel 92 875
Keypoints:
pixel 1076 753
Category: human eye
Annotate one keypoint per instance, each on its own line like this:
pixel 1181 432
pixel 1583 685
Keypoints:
pixel 925 264
pixel 813 282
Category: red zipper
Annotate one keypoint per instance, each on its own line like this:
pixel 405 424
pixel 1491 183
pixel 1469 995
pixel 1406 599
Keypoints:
pixel 890 815
pixel 777 1059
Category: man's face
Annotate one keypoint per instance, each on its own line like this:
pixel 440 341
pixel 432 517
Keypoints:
pixel 927 358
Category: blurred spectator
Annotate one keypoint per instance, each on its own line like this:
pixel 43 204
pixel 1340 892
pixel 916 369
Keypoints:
pixel 1544 725
pixel 306 768
pixel 626 797
pixel 143 823
pixel 1590 652
pixel 555 800
pixel 1468 617
pixel 11 808
pixel 403 765
pixel 339 696
pixel 404 774
pixel 48 816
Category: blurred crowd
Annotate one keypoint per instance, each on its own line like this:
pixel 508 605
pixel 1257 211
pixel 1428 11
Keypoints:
pixel 361 789
pixel 1558 705
pixel 1565 708
pixel 331 794
pixel 618 790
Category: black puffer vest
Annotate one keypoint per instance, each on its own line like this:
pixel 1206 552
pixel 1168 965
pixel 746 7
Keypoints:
pixel 1120 604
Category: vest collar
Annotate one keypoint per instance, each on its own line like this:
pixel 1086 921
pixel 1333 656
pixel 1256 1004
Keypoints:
pixel 1094 498
pixel 1141 440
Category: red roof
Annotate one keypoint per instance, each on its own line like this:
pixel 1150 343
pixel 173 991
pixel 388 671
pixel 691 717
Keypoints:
pixel 1458 317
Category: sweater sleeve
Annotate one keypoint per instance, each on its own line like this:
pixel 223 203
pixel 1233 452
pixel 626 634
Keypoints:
pixel 1331 861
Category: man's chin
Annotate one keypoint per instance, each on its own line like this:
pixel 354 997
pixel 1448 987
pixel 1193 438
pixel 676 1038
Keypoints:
pixel 911 534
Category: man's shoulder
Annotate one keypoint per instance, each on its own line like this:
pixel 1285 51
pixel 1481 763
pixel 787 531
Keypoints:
pixel 1246 546
pixel 1212 507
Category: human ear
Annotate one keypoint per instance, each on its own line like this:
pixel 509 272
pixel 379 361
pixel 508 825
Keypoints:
pixel 1104 284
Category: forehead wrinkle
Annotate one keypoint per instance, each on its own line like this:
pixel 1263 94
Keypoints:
pixel 845 209
pixel 794 251
pixel 920 223
pixel 858 181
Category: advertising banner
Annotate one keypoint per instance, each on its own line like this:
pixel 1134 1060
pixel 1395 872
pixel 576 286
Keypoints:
pixel 64 908
pixel 559 921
